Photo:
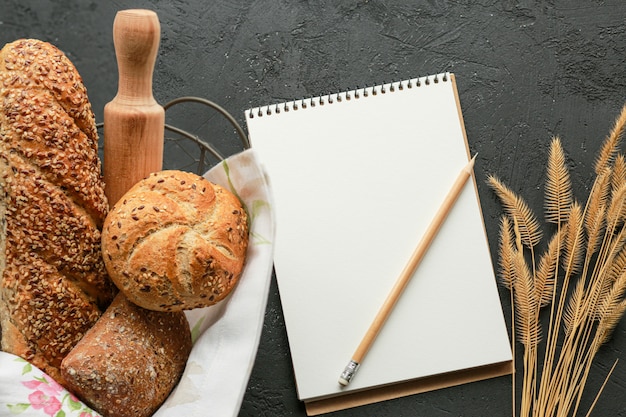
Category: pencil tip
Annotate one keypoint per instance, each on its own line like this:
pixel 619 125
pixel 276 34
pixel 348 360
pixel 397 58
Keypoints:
pixel 470 164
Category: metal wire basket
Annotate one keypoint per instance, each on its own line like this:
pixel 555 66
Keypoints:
pixel 188 150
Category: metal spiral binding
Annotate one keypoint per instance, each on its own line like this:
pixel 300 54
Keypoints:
pixel 348 95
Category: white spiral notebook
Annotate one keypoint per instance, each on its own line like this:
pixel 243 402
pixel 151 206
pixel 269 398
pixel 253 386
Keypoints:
pixel 357 177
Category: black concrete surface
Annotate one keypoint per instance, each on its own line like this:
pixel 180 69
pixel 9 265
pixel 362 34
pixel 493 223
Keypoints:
pixel 526 71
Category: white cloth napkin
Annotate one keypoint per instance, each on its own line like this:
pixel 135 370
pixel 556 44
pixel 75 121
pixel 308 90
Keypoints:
pixel 226 336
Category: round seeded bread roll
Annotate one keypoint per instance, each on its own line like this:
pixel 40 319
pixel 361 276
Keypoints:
pixel 175 241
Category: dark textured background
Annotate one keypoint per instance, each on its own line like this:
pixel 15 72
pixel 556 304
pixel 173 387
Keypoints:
pixel 526 71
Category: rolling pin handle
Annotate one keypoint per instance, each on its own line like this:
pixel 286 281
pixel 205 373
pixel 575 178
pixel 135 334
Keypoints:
pixel 134 123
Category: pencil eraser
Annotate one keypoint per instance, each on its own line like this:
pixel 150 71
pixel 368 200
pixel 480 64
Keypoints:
pixel 348 373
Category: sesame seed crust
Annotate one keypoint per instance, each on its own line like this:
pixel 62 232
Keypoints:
pixel 175 241
pixel 53 283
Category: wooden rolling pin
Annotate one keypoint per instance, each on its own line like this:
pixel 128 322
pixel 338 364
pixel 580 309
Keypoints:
pixel 134 122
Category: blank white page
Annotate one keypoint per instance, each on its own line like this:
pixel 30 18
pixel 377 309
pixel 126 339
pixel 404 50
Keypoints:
pixel 356 178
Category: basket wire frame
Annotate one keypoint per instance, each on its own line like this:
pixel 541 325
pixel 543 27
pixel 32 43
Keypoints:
pixel 204 148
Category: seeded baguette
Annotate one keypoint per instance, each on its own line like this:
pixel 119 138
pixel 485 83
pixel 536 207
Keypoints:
pixel 53 283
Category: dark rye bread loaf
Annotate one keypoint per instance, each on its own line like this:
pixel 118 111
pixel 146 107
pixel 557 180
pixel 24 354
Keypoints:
pixel 129 362
pixel 53 283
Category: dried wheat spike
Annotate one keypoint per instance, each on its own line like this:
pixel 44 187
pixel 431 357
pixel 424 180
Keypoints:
pixel 618 177
pixel 527 324
pixel 617 209
pixel 558 196
pixel 609 322
pixel 574 312
pixel 611 143
pixel 573 250
pixel 545 281
pixel 518 209
pixel 507 253
pixel 597 204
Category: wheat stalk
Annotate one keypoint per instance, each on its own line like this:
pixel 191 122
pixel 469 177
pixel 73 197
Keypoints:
pixel 580 278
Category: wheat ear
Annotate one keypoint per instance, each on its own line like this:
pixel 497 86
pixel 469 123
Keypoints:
pixel 611 143
pixel 558 189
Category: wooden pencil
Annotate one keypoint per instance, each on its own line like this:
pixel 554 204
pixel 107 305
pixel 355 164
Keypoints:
pixel 406 274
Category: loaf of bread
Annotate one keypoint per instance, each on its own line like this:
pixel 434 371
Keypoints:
pixel 127 364
pixel 53 283
pixel 175 241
